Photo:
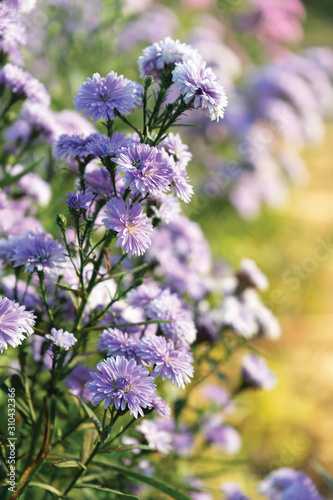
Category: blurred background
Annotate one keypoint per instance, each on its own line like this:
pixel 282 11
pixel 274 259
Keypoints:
pixel 269 194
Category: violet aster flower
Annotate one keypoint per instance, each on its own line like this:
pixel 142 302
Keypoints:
pixel 255 373
pixel 133 227
pixel 103 146
pixel 104 97
pixel 250 275
pixel 148 170
pixel 168 306
pixel 155 435
pixel 175 146
pixel 222 435
pixel 122 382
pixel 15 321
pixel 117 343
pixel 71 147
pixel 168 209
pixel 79 201
pixel 38 252
pixel 23 84
pixel 180 182
pixel 198 83
pixel 12 33
pixel 288 484
pixel 163 54
pixel 142 295
pixel 168 362
pixel 233 492
pixel 64 340
pixel 161 406
pixel 76 381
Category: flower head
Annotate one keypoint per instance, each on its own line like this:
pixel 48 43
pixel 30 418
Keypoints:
pixel 198 83
pixel 62 339
pixel 161 406
pixel 23 84
pixel 103 146
pixel 15 321
pixel 117 343
pixel 288 484
pixel 148 170
pixel 79 201
pixel 169 362
pixel 38 252
pixel 12 33
pixel 122 383
pixel 103 97
pixel 168 306
pixel 175 146
pixel 233 492
pixel 255 373
pixel 133 227
pixel 163 54
pixel 71 147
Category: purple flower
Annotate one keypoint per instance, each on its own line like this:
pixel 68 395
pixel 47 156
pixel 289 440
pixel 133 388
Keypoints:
pixel 99 182
pixel 38 252
pixel 180 182
pixel 117 343
pixel 23 84
pixel 288 484
pixel 103 146
pixel 142 295
pixel 233 492
pixel 155 435
pixel 168 306
pixel 76 381
pixel 199 84
pixel 12 33
pixel 161 406
pixel 32 185
pixel 133 227
pixel 250 275
pixel 168 362
pixel 255 373
pixel 168 209
pixel 174 146
pixel 148 170
pixel 71 147
pixel 103 97
pixel 218 395
pixel 122 382
pixel 163 54
pixel 79 201
pixel 15 321
pixel 194 482
pixel 223 436
pixel 62 339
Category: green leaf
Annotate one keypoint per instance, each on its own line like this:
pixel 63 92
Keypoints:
pixel 95 420
pixel 169 490
pixel 12 179
pixel 102 488
pixel 47 487
pixel 69 463
pixel 80 293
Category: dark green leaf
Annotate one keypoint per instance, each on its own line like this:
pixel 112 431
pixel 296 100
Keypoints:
pixel 101 488
pixel 47 487
pixel 80 293
pixel 169 490
pixel 69 463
